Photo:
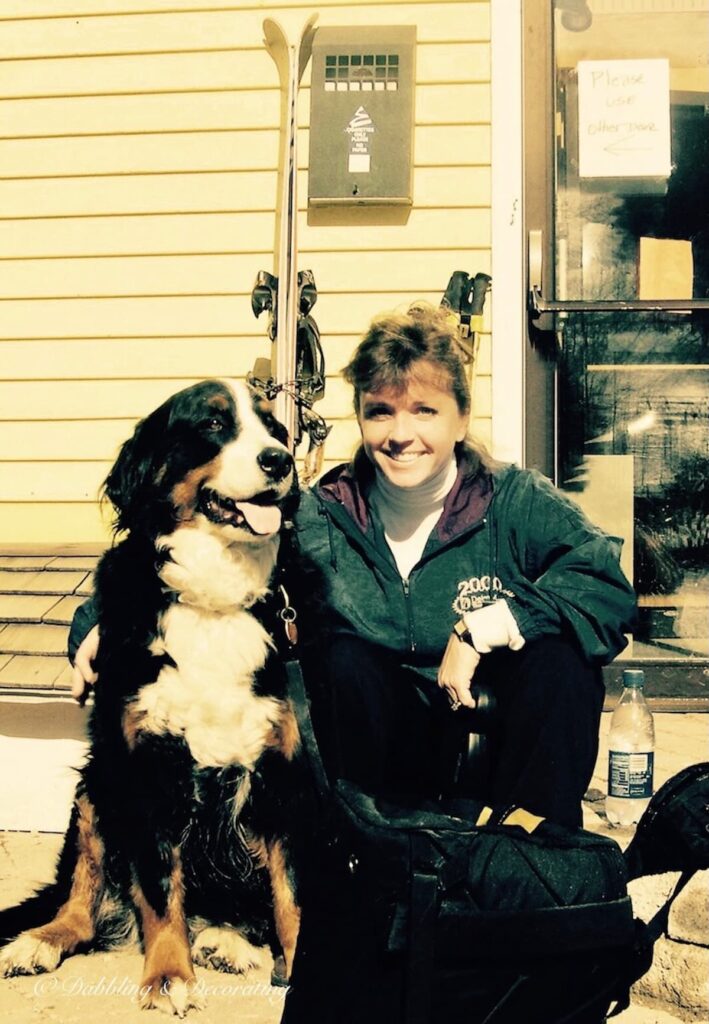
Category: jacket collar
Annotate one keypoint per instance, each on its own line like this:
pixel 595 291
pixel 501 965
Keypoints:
pixel 465 506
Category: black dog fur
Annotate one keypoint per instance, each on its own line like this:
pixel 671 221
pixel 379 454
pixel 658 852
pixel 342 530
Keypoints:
pixel 159 837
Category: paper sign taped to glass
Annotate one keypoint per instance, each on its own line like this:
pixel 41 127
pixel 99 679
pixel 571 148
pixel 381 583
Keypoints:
pixel 624 118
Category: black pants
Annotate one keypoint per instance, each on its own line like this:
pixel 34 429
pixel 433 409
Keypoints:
pixel 387 731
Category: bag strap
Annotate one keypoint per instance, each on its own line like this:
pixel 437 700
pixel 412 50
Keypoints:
pixel 657 925
pixel 301 708
pixel 423 915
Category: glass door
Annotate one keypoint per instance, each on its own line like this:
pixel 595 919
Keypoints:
pixel 619 300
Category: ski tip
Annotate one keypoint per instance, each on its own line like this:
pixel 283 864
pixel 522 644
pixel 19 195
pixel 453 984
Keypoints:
pixel 306 44
pixel 273 32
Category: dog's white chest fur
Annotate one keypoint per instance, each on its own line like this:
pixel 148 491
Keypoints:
pixel 207 697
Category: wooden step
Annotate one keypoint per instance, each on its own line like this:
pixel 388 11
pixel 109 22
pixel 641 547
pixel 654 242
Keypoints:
pixel 71 550
pixel 33 639
pixel 27 607
pixel 62 612
pixel 41 587
pixel 32 672
pixel 47 581
pixel 35 563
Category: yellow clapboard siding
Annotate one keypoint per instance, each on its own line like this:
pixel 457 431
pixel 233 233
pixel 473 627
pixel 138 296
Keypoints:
pixel 100 8
pixel 94 76
pixel 147 357
pixel 40 481
pixel 229 192
pixel 236 232
pixel 446 144
pixel 152 357
pixel 150 154
pixel 158 72
pixel 37 442
pixel 176 316
pixel 457 103
pixel 87 400
pixel 58 523
pixel 210 29
pixel 218 275
pixel 125 114
pixel 208 151
pixel 481 429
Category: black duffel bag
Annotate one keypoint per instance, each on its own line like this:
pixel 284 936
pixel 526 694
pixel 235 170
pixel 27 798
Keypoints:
pixel 454 913
pixel 418 916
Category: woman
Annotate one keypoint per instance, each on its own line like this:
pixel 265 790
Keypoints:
pixel 444 569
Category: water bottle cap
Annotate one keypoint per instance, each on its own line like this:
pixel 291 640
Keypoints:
pixel 633 677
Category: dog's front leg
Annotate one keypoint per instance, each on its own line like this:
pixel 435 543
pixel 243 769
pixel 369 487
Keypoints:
pixel 286 911
pixel 168 976
pixel 41 949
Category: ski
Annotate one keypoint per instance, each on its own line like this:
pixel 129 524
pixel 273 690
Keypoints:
pixel 280 292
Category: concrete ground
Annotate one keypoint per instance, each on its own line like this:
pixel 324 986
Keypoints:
pixel 104 986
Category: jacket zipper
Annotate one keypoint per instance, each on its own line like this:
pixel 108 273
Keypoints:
pixel 406 587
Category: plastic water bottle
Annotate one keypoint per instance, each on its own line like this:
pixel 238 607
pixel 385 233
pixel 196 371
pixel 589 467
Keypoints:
pixel 631 753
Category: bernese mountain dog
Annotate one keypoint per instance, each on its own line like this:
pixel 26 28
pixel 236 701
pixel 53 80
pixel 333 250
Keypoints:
pixel 188 820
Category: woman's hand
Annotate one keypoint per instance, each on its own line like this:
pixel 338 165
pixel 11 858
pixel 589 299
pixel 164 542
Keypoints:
pixel 455 675
pixel 83 677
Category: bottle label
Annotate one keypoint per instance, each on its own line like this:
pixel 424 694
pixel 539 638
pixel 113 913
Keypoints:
pixel 630 775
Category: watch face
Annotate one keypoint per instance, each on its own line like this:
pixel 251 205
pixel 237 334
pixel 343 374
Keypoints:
pixel 463 633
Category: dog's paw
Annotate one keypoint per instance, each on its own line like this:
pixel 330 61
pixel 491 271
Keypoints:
pixel 225 949
pixel 170 993
pixel 28 954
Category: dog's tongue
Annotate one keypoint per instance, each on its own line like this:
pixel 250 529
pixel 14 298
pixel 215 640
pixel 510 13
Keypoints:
pixel 261 518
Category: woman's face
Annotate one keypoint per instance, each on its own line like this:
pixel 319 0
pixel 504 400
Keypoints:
pixel 410 435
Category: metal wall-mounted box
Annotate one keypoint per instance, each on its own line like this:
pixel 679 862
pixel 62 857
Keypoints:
pixel 362 116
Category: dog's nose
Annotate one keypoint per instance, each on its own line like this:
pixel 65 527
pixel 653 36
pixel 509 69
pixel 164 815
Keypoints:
pixel 275 462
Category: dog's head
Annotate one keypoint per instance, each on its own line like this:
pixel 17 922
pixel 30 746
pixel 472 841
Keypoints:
pixel 213 456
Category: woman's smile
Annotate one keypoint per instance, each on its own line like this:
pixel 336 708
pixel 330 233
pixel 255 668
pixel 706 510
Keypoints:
pixel 410 435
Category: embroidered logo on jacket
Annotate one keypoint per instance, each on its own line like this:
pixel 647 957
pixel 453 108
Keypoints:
pixel 478 591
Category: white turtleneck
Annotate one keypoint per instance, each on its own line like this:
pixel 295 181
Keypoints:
pixel 408 515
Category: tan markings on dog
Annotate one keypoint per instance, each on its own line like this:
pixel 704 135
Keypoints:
pixel 184 494
pixel 284 735
pixel 131 724
pixel 168 973
pixel 218 401
pixel 256 845
pixel 75 922
pixel 286 912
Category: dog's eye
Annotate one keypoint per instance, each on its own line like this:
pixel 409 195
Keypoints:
pixel 214 425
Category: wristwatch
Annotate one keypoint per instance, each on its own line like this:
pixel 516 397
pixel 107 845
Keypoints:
pixel 463 633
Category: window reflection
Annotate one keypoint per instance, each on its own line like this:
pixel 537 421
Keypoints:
pixel 633 417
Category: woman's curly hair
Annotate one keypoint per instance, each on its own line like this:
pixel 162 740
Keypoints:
pixel 387 358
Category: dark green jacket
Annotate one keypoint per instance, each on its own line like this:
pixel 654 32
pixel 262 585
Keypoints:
pixel 505 533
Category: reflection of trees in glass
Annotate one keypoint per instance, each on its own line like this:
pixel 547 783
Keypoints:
pixel 672 528
pixel 634 400
pixel 687 501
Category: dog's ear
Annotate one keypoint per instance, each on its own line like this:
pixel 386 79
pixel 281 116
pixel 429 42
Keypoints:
pixel 132 485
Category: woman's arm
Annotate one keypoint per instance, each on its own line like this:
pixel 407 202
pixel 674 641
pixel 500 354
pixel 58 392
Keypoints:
pixel 83 648
pixel 572 578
